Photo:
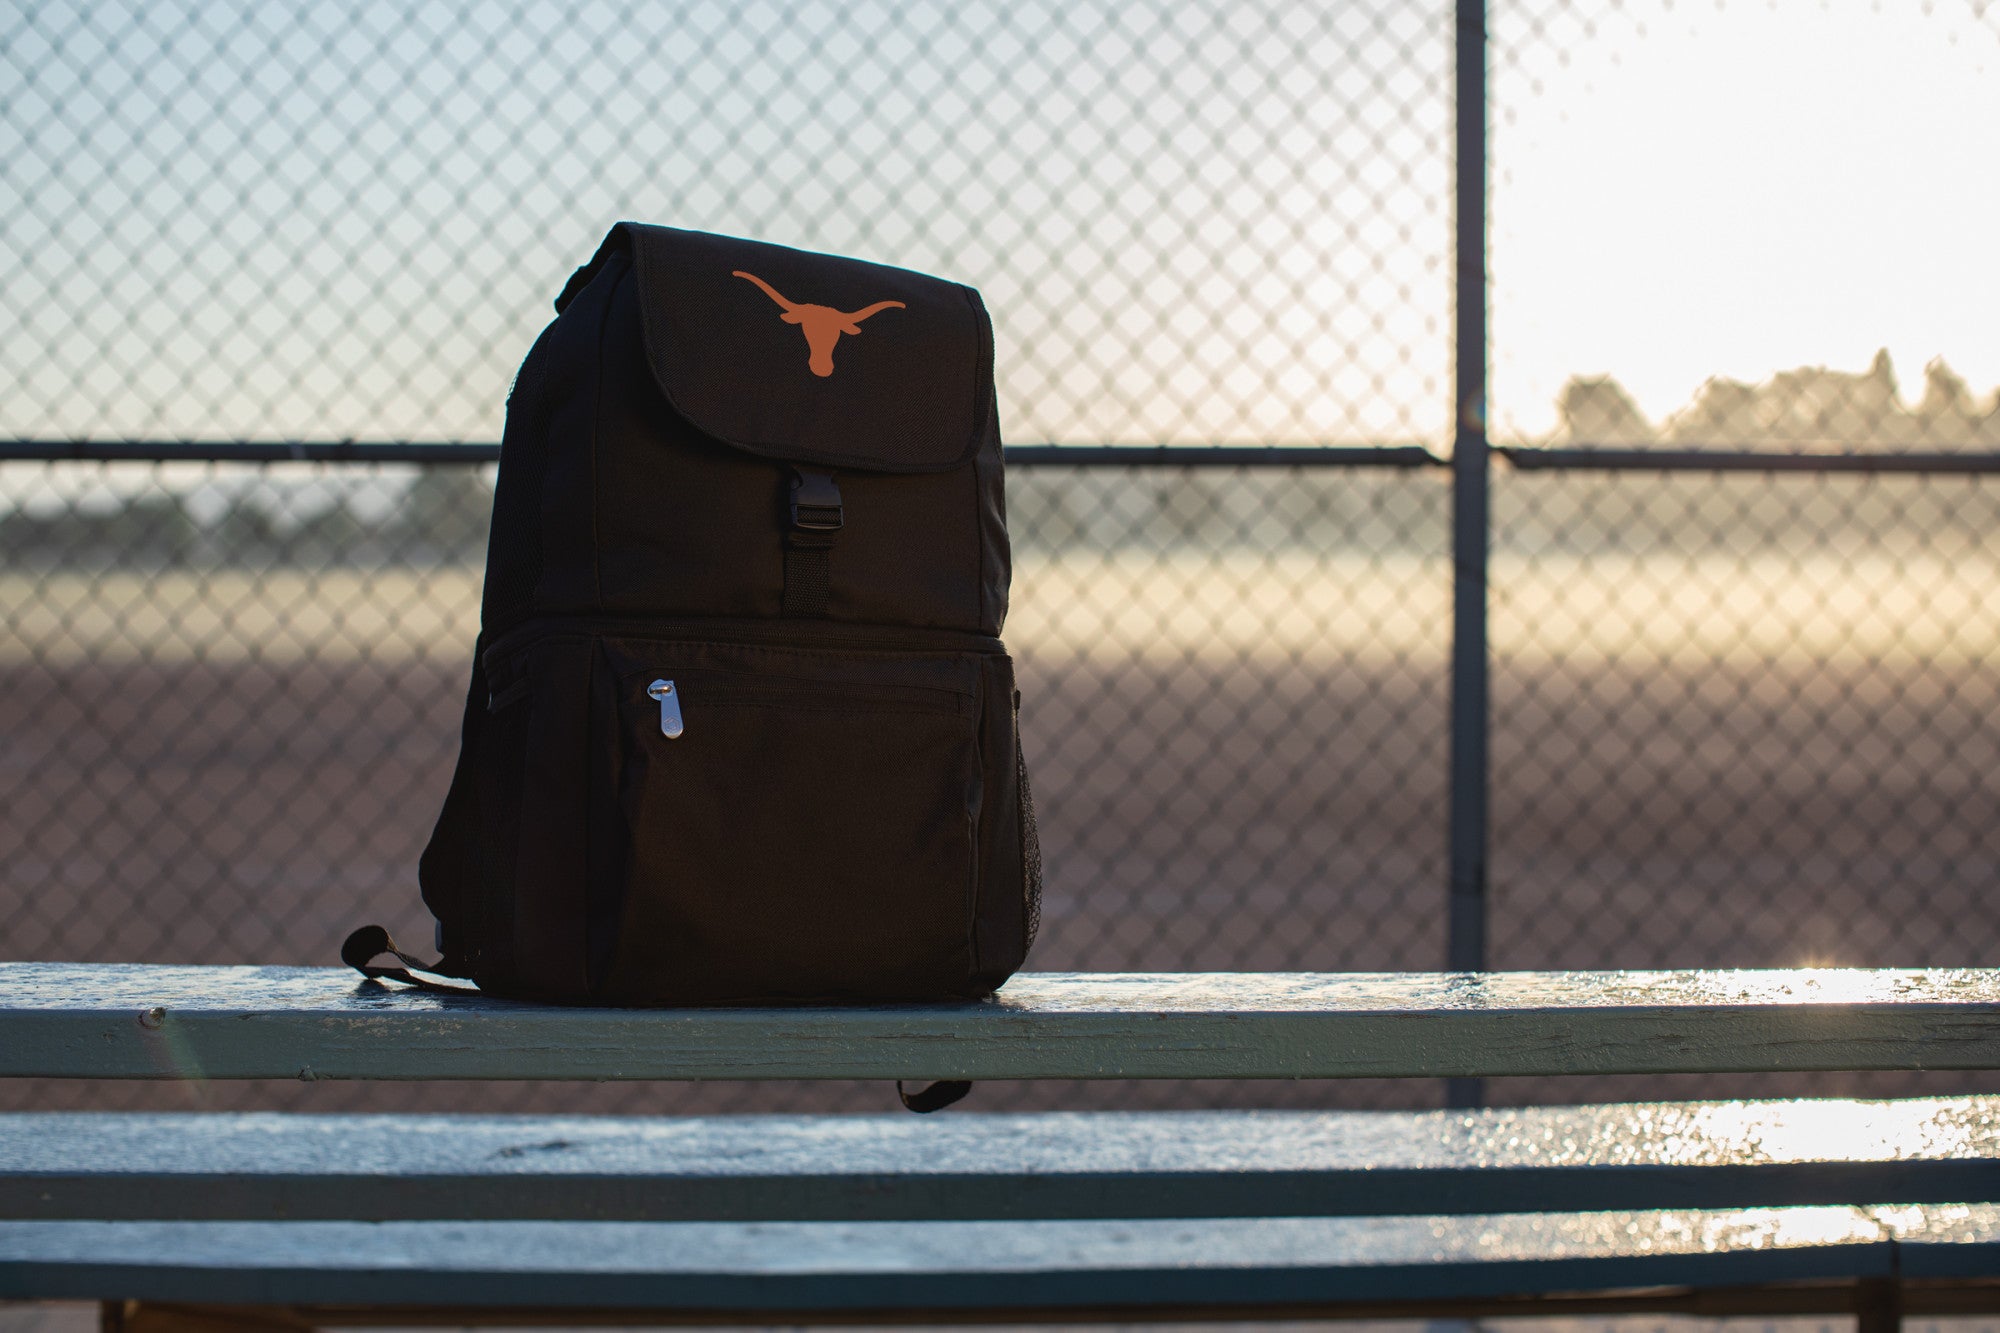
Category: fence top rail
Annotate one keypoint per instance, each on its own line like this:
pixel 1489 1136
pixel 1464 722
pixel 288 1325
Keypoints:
pixel 82 1020
pixel 1591 458
pixel 245 451
pixel 475 452
pixel 1523 458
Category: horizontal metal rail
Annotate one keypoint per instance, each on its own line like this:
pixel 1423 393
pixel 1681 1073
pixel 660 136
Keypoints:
pixel 1022 455
pixel 242 451
pixel 1221 455
pixel 1583 458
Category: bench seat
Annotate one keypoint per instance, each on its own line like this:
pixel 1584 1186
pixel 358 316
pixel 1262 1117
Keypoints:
pixel 284 1222
pixel 1042 1268
pixel 191 1166
pixel 76 1020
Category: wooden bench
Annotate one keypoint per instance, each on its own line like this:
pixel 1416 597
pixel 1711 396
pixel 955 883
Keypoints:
pixel 1877 1208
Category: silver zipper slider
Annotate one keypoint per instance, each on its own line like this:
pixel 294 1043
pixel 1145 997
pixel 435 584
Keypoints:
pixel 670 708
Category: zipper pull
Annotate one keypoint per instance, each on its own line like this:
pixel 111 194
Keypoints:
pixel 670 708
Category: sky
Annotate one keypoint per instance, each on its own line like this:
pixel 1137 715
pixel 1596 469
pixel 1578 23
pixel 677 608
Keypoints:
pixel 1193 222
pixel 1735 190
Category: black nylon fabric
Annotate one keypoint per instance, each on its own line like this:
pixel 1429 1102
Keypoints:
pixel 811 358
pixel 683 524
pixel 808 573
pixel 697 768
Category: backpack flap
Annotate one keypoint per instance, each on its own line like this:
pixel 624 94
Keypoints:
pixel 808 358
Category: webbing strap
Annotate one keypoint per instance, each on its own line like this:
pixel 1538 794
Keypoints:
pixel 817 516
pixel 935 1097
pixel 808 573
pixel 364 946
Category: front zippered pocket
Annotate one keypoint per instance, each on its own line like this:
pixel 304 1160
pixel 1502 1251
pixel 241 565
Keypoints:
pixel 785 823
pixel 725 692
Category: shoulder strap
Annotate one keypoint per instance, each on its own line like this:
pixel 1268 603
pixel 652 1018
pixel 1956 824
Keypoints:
pixel 370 942
pixel 935 1097
pixel 615 244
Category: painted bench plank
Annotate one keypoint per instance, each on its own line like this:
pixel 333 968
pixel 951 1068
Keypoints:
pixel 943 1266
pixel 135 1021
pixel 1054 1165
pixel 1941 1242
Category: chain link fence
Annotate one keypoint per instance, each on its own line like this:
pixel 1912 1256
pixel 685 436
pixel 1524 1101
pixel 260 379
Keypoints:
pixel 232 702
pixel 1741 585
pixel 1740 617
pixel 1740 713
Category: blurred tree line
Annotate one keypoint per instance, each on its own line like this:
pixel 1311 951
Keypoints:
pixel 439 518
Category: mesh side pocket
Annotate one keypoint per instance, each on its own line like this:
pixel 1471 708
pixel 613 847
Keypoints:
pixel 1031 846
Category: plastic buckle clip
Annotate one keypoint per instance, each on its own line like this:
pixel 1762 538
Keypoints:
pixel 815 501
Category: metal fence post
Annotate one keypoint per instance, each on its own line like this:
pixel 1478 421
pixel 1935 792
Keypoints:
pixel 1466 942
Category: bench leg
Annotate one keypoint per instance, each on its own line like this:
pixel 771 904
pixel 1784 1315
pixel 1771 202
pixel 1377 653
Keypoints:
pixel 1878 1307
pixel 157 1317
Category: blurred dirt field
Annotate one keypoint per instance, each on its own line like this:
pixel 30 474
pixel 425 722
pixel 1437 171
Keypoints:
pixel 1238 765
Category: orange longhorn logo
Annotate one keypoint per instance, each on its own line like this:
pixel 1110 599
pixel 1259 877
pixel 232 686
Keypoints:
pixel 822 324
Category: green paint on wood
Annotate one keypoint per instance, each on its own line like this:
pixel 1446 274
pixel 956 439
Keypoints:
pixel 1129 1165
pixel 1049 1266
pixel 97 1021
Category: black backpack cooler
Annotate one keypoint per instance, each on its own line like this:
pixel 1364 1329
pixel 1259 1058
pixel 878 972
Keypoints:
pixel 740 727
